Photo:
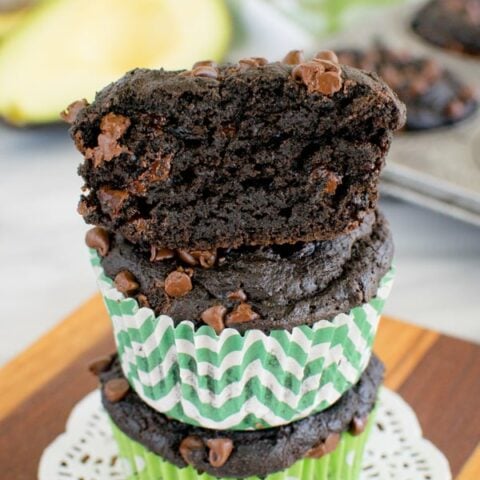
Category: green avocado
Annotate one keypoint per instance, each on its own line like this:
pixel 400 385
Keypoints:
pixel 69 49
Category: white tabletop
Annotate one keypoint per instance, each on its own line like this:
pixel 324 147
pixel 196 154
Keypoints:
pixel 46 274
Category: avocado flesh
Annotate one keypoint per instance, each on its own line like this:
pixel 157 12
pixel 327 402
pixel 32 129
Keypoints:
pixel 69 49
pixel 10 20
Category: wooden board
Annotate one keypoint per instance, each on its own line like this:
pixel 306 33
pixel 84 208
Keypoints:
pixel 438 375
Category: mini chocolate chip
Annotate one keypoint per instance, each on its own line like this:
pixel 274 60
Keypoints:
pixel 126 282
pixel 112 128
pixel 252 62
pixel 187 257
pixel 116 389
pixel 214 317
pixel 70 114
pixel 419 86
pixel 238 295
pixel 143 300
pixel 455 109
pixel 358 425
pixel 99 239
pixel 177 284
pixel 466 93
pixel 100 364
pixel 111 200
pixel 328 83
pixel 158 253
pixel 327 55
pixel 325 447
pixel 220 451
pixel 204 63
pixel 205 71
pixel 241 314
pixel 331 184
pixel 206 258
pixel 293 57
pixel 431 70
pixel 188 446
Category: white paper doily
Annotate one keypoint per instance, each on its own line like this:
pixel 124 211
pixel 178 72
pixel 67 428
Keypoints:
pixel 395 450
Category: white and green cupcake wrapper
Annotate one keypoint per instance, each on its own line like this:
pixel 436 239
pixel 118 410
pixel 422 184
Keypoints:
pixel 344 463
pixel 235 381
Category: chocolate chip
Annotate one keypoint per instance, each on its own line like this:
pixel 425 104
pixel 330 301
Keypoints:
pixel 116 389
pixel 325 447
pixel 293 57
pixel 241 314
pixel 84 209
pixel 214 317
pixel 99 239
pixel 187 257
pixel 466 93
pixel 158 171
pixel 332 182
pixel 204 63
pixel 206 258
pixel 111 200
pixel 326 55
pixel 419 86
pixel 158 254
pixel 126 283
pixel 238 295
pixel 177 284
pixel 328 83
pixel 358 425
pixel 220 451
pixel 254 62
pixel 205 71
pixel 317 77
pixel 189 446
pixel 431 70
pixel 455 109
pixel 112 127
pixel 143 300
pixel 70 114
pixel 100 364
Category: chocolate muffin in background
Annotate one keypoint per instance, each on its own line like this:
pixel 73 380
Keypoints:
pixel 434 96
pixel 450 24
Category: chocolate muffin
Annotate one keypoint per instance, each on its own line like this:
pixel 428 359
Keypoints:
pixel 434 96
pixel 266 288
pixel 254 153
pixel 450 24
pixel 238 454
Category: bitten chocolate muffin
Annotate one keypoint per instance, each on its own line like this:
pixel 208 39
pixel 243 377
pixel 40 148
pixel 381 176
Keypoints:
pixel 249 453
pixel 274 287
pixel 434 96
pixel 248 154
pixel 450 24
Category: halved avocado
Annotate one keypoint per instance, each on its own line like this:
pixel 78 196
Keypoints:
pixel 69 49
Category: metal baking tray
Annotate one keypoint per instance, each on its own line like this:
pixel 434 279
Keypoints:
pixel 440 168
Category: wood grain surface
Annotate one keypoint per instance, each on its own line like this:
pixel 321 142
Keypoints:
pixel 439 376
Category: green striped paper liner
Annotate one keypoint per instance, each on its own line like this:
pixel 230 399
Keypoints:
pixel 344 463
pixel 235 381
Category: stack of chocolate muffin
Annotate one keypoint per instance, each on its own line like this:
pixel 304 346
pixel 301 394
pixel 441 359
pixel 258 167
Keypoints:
pixel 242 261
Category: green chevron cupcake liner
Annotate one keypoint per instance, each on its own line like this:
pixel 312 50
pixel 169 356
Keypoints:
pixel 344 463
pixel 235 381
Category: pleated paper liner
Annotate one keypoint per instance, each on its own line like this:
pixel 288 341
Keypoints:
pixel 240 381
pixel 344 463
